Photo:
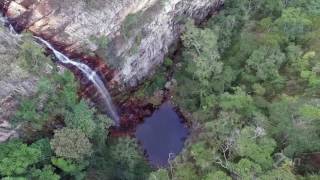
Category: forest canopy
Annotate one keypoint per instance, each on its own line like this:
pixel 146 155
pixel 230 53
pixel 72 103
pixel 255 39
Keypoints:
pixel 249 77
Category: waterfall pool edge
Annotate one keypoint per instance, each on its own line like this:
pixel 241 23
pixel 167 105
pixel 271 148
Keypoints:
pixel 162 135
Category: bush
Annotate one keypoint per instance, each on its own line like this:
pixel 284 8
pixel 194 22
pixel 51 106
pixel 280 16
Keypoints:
pixel 32 57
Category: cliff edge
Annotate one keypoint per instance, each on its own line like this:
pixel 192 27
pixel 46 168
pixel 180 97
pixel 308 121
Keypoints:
pixel 132 36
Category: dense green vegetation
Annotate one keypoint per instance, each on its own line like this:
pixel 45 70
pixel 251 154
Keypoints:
pixel 249 76
pixel 61 136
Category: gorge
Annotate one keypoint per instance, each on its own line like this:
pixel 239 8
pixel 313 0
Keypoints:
pixel 202 89
pixel 70 25
pixel 134 55
pixel 29 16
pixel 164 125
pixel 59 24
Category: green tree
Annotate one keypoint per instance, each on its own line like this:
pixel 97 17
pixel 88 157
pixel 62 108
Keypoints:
pixel 185 171
pixel 56 95
pixel 217 175
pixel 47 173
pixel 16 158
pixel 32 57
pixel 280 173
pixel 70 167
pixel 201 153
pixel 28 113
pixel 239 101
pixel 246 169
pixel 271 8
pixel 99 138
pixel 161 174
pixel 65 94
pixel 268 48
pixel 81 117
pixel 254 145
pixel 44 146
pixel 128 159
pixel 293 125
pixel 223 127
pixel 311 7
pixel 14 178
pixel 202 53
pixel 71 143
pixel 293 22
pixel 265 63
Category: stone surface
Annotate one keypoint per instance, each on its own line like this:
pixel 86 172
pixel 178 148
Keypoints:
pixel 14 81
pixel 140 32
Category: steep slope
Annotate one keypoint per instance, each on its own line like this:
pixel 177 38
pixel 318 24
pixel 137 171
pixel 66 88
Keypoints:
pixel 15 81
pixel 131 35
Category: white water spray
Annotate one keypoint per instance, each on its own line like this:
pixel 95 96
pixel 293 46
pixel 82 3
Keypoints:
pixel 4 21
pixel 91 75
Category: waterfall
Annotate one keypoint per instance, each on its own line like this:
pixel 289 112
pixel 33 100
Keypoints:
pixel 91 75
pixel 86 70
pixel 4 21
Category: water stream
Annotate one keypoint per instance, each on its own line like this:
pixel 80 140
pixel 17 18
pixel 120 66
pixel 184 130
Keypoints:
pixel 86 70
pixel 91 75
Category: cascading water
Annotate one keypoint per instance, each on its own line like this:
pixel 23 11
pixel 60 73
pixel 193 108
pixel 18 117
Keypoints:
pixel 4 21
pixel 88 72
pixel 91 75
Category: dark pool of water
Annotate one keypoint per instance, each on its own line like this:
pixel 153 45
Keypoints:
pixel 162 134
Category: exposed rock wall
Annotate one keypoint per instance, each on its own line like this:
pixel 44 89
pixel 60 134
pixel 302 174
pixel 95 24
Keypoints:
pixel 139 31
pixel 15 82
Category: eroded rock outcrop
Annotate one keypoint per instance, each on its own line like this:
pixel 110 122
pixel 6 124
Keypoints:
pixel 139 32
pixel 15 82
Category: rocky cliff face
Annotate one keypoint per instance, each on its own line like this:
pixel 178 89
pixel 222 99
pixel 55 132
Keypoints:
pixel 15 82
pixel 131 35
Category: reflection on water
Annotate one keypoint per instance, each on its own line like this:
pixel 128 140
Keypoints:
pixel 162 135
